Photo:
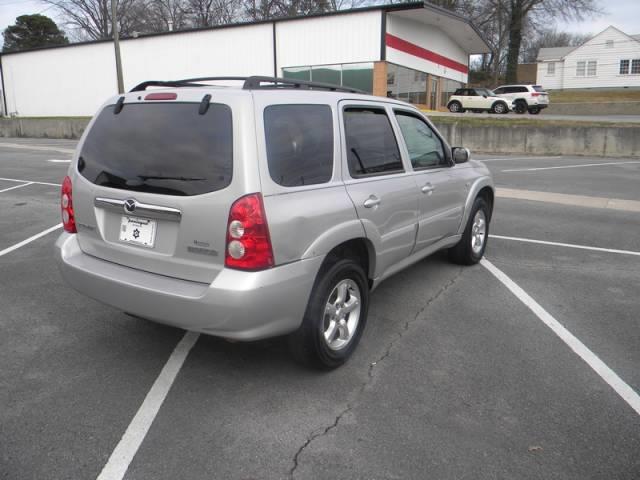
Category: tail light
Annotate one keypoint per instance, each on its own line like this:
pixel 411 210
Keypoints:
pixel 535 94
pixel 248 241
pixel 66 204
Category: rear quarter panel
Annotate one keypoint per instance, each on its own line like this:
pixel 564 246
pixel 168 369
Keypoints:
pixel 304 221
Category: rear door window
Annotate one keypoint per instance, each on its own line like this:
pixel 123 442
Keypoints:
pixel 299 142
pixel 166 148
pixel 371 145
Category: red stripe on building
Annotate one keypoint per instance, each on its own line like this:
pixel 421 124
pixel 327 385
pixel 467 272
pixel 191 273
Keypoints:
pixel 413 49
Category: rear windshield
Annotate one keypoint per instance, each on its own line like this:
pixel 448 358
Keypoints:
pixel 538 88
pixel 166 148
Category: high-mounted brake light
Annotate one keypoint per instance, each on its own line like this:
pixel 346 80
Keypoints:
pixel 248 241
pixel 161 96
pixel 66 204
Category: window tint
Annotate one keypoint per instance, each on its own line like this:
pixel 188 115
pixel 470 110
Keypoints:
pixel 166 148
pixel 522 90
pixel 499 91
pixel 539 88
pixel 472 93
pixel 371 145
pixel 425 148
pixel 460 91
pixel 299 144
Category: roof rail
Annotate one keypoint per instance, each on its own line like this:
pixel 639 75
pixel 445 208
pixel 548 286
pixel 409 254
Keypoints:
pixel 158 83
pixel 250 83
pixel 256 82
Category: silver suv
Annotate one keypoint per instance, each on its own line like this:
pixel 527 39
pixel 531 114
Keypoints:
pixel 270 209
pixel 524 98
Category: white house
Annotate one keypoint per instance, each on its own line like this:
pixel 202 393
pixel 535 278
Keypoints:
pixel 611 59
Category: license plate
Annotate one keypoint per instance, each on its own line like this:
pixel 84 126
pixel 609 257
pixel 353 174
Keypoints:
pixel 139 231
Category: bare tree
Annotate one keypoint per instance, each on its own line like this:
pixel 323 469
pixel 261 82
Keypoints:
pixel 93 17
pixel 540 10
pixel 164 15
pixel 207 13
pixel 536 40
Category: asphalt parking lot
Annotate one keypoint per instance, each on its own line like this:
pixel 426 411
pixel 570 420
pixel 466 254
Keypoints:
pixel 524 367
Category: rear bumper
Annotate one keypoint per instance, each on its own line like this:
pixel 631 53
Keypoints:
pixel 237 305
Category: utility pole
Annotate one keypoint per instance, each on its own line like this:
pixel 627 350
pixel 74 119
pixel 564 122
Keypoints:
pixel 116 45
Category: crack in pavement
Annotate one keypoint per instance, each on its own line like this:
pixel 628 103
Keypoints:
pixel 370 373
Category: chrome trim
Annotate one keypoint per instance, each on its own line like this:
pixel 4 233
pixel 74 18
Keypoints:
pixel 141 209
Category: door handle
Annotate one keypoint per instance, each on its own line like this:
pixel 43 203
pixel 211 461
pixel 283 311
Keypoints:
pixel 428 188
pixel 371 202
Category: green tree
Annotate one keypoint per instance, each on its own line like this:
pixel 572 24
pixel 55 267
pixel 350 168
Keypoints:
pixel 31 31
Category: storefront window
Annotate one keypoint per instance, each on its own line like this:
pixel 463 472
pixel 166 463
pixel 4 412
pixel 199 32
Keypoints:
pixel 406 84
pixel 329 74
pixel 300 73
pixel 447 87
pixel 358 75
pixel 354 75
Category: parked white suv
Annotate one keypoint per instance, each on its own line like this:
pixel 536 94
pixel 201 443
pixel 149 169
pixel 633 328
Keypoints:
pixel 477 100
pixel 274 208
pixel 523 98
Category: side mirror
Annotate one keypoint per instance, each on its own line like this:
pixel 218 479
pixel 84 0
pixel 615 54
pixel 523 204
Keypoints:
pixel 484 96
pixel 460 154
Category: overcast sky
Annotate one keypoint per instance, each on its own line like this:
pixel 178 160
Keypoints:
pixel 623 14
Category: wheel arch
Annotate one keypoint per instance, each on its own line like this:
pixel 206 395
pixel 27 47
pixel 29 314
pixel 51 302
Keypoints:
pixel 482 187
pixel 360 249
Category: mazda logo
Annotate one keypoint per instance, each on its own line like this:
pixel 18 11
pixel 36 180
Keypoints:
pixel 129 205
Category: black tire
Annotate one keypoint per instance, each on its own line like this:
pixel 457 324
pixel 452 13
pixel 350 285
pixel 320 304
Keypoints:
pixel 307 344
pixel 534 110
pixel 500 108
pixel 520 107
pixel 464 253
pixel 455 107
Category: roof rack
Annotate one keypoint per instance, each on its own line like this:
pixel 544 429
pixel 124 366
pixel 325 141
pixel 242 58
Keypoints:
pixel 256 82
pixel 250 83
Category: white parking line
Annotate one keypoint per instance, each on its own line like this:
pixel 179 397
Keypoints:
pixel 568 245
pixel 16 186
pixel 22 146
pixel 29 181
pixel 126 449
pixel 29 240
pixel 537 169
pixel 507 159
pixel 627 393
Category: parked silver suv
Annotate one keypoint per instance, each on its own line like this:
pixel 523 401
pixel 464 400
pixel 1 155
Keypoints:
pixel 271 209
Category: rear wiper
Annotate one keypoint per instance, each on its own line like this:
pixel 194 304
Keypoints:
pixel 159 177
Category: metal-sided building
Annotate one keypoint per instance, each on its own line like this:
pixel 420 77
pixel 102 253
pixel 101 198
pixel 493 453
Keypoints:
pixel 413 51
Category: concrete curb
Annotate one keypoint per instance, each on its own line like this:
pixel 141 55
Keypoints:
pixel 544 140
pixel 54 127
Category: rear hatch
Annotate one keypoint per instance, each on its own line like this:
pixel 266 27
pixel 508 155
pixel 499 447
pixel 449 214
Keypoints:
pixel 153 187
pixel 543 97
